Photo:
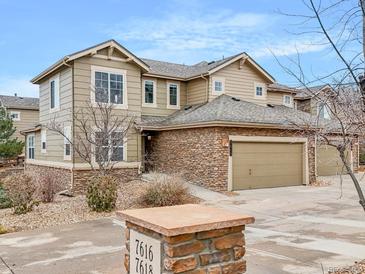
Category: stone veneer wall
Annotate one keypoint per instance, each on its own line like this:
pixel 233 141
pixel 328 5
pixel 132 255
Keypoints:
pixel 201 154
pixel 81 177
pixel 214 251
pixel 62 175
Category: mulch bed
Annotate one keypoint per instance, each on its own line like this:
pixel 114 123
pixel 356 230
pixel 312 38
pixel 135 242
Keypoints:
pixel 68 210
pixel 357 268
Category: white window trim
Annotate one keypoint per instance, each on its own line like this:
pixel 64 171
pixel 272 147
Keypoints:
pixel 218 79
pixel 324 106
pixel 27 152
pixel 168 95
pixel 291 100
pixel 55 78
pixel 109 70
pixel 154 104
pixel 93 160
pixel 67 129
pixel 264 91
pixel 15 112
pixel 43 139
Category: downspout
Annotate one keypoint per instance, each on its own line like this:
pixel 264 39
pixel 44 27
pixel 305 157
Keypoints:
pixel 206 87
pixel 73 122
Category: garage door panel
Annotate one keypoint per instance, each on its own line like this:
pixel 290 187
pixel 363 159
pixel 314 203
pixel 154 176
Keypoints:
pixel 265 148
pixel 262 182
pixel 266 159
pixel 260 165
pixel 329 161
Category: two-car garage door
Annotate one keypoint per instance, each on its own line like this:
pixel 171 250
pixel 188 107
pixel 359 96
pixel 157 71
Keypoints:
pixel 266 164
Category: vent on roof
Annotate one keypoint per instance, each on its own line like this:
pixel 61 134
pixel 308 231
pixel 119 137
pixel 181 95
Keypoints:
pixel 211 62
pixel 236 99
pixel 187 107
pixel 270 105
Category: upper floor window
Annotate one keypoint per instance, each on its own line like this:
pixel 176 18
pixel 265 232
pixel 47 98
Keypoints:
pixel 54 93
pixel 149 94
pixel 30 144
pixel 288 100
pixel 109 86
pixel 15 115
pixel 218 86
pixel 260 91
pixel 323 111
pixel 43 141
pixel 173 95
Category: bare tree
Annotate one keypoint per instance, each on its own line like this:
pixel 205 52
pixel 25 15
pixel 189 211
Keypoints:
pixel 99 134
pixel 340 25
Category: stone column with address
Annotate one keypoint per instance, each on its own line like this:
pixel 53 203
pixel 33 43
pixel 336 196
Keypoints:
pixel 191 238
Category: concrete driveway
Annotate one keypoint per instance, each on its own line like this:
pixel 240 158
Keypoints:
pixel 297 230
pixel 300 229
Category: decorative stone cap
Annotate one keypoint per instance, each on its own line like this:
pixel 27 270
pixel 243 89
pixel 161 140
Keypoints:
pixel 183 219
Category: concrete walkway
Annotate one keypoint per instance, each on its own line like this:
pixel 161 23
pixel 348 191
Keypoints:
pixel 92 247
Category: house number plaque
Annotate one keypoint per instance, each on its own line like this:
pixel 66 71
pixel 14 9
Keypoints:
pixel 145 254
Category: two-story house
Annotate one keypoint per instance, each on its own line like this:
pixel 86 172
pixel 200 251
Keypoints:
pixel 24 111
pixel 222 124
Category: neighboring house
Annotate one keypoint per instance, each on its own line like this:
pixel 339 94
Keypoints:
pixel 23 110
pixel 222 124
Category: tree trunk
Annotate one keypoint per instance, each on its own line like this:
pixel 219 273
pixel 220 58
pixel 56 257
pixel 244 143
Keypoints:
pixel 354 179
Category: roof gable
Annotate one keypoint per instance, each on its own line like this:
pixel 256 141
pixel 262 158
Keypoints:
pixel 110 46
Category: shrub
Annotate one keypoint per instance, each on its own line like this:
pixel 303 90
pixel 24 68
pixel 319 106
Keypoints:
pixel 48 186
pixel 102 193
pixel 21 191
pixel 4 199
pixel 3 229
pixel 165 190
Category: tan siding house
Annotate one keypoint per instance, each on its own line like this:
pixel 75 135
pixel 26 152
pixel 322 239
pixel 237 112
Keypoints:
pixel 23 110
pixel 190 116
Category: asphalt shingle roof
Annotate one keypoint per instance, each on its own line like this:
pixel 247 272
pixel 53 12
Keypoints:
pixel 19 102
pixel 183 71
pixel 228 109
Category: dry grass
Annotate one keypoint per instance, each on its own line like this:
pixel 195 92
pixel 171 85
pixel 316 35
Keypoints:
pixel 165 190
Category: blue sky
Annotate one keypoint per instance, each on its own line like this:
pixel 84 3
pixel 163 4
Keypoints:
pixel 35 34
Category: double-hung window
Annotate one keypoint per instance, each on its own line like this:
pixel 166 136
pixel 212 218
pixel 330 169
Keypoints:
pixel 173 95
pixel 323 111
pixel 54 93
pixel 288 100
pixel 149 93
pixel 109 148
pixel 67 143
pixel 109 86
pixel 15 115
pixel 218 85
pixel 30 143
pixel 260 92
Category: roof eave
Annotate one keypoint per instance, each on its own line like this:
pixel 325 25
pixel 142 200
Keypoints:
pixel 215 123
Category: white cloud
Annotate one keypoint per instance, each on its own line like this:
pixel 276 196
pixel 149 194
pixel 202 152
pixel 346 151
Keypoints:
pixel 289 47
pixel 182 37
pixel 18 84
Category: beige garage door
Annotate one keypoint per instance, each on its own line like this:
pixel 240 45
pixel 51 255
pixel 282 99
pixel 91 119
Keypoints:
pixel 260 165
pixel 329 161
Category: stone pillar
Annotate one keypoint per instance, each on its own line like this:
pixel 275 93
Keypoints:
pixel 193 239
